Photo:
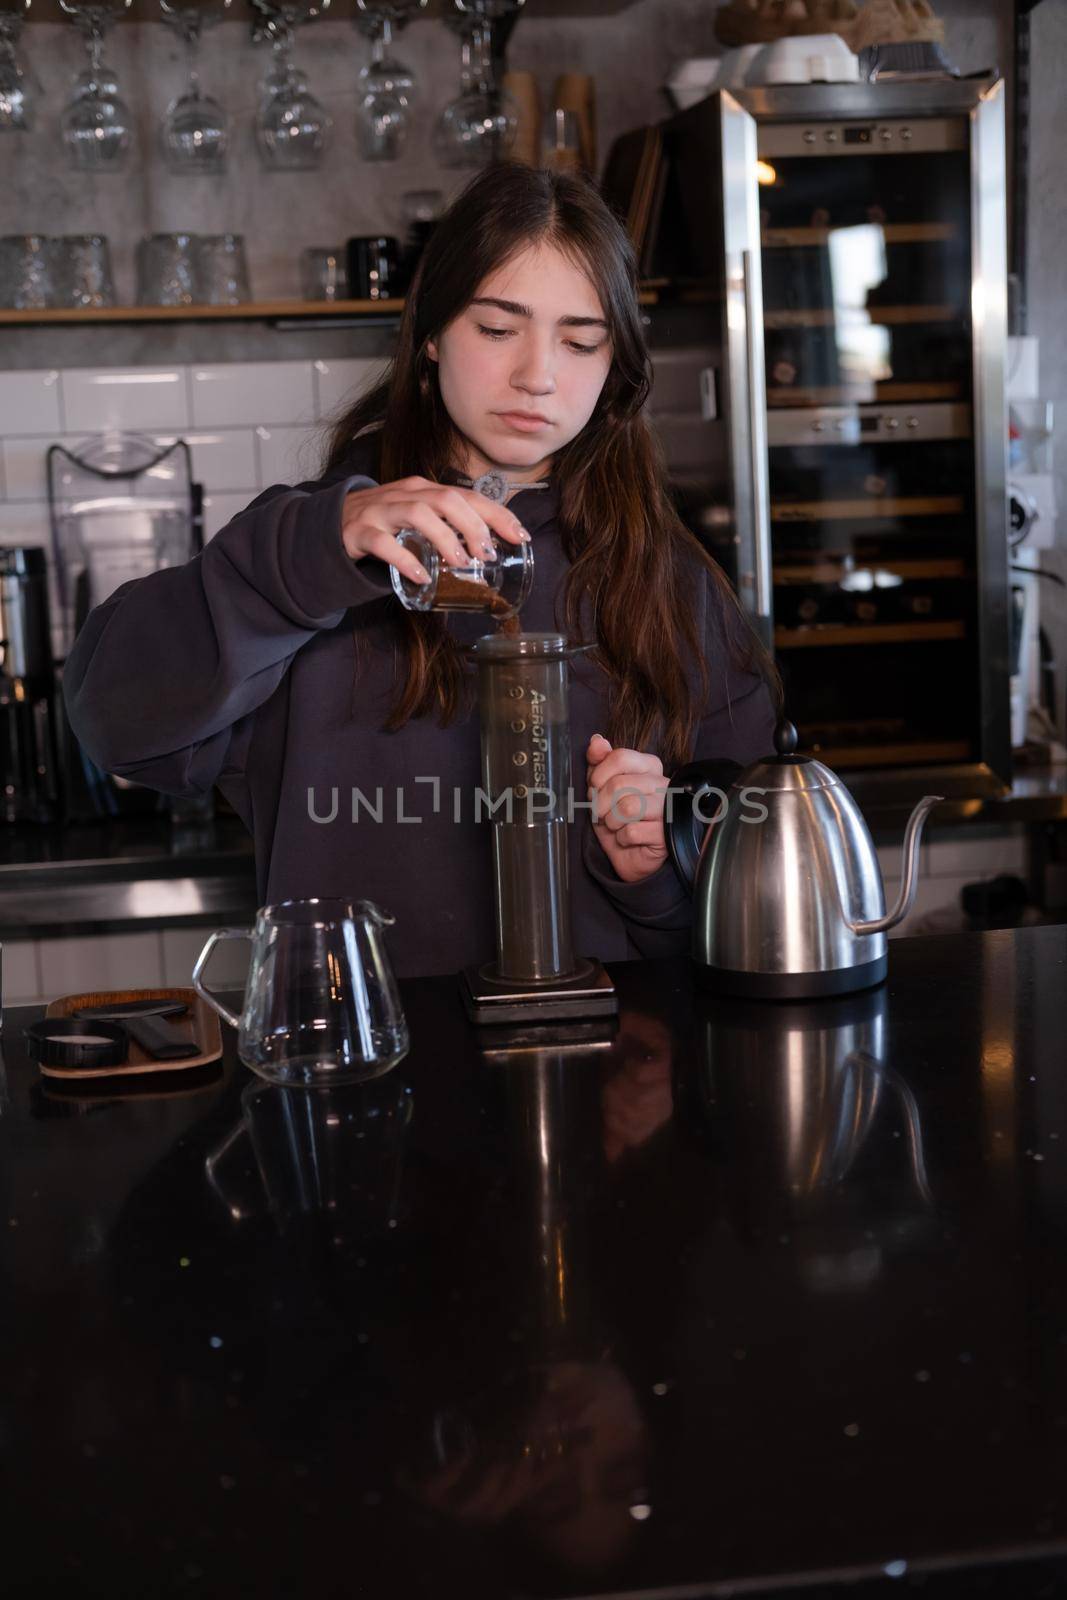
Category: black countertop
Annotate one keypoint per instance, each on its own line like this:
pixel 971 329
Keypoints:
pixel 740 1300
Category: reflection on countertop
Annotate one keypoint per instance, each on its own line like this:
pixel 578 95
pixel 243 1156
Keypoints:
pixel 709 1296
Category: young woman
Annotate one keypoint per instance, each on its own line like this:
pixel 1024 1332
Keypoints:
pixel 280 666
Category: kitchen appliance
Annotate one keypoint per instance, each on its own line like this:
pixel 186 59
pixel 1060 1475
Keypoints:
pixel 121 506
pixel 373 267
pixel 788 901
pixel 526 774
pixel 829 391
pixel 29 771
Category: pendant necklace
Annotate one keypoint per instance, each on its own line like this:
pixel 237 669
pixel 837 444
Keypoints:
pixel 496 487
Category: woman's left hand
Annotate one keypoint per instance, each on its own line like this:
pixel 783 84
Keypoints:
pixel 630 829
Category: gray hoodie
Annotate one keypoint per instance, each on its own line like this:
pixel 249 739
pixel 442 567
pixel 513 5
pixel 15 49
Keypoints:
pixel 238 670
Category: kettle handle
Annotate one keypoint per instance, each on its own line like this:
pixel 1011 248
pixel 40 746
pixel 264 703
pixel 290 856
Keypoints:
pixel 685 828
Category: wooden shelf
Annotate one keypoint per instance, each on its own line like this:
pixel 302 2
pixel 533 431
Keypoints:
pixel 937 505
pixel 870 633
pixel 835 571
pixel 250 311
pixel 861 395
pixel 877 315
pixel 922 751
pixel 892 232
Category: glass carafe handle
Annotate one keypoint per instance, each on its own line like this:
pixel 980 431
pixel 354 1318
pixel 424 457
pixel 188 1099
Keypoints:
pixel 225 1184
pixel 202 961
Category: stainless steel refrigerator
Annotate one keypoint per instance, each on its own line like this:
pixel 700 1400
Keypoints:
pixel 828 338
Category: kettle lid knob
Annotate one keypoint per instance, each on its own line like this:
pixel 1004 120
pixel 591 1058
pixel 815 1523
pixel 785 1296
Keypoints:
pixel 785 738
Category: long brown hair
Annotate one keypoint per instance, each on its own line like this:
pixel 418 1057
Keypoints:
pixel 615 513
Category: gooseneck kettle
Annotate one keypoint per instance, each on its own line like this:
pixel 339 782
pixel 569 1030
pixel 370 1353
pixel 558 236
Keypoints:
pixel 788 900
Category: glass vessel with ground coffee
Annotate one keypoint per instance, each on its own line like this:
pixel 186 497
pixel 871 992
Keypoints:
pixel 499 588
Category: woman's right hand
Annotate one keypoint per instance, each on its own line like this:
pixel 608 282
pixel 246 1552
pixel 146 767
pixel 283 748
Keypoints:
pixel 372 518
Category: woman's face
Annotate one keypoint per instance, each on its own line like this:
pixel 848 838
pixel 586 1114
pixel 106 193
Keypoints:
pixel 521 369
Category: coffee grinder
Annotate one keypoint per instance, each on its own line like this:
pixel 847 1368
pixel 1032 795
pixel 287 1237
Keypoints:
pixel 29 769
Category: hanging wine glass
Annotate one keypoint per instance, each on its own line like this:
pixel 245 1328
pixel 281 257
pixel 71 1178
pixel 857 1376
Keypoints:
pixel 386 86
pixel 16 85
pixel 195 130
pixel 96 123
pixel 292 127
pixel 479 126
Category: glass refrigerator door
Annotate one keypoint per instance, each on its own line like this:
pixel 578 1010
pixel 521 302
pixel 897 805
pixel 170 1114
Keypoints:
pixel 866 249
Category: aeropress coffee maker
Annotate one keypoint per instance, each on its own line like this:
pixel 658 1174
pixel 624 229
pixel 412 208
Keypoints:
pixel 526 774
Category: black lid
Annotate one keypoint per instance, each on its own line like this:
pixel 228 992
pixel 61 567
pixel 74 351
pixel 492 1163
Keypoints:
pixel 785 744
pixel 61 1042
pixel 24 561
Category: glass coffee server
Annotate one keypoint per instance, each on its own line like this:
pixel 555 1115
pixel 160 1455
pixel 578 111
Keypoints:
pixel 843 451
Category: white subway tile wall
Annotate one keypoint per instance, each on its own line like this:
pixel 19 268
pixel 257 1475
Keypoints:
pixel 21 972
pixel 224 458
pixel 24 522
pixel 337 382
pixel 288 455
pixel 131 399
pixel 949 859
pixel 117 961
pixel 38 971
pixel 32 400
pixel 261 391
pixel 24 466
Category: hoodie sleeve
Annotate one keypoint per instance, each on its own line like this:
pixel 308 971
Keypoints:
pixel 738 725
pixel 163 671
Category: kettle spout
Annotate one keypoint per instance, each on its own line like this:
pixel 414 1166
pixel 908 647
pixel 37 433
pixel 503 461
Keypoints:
pixel 906 897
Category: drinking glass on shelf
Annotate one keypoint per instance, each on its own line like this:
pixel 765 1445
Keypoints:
pixel 221 269
pixel 97 127
pixel 386 87
pixel 167 270
pixel 17 89
pixel 373 267
pixel 421 207
pixel 292 127
pixel 195 130
pixel 417 212
pixel 83 270
pixel 323 275
pixel 26 279
pixel 563 141
pixel 479 125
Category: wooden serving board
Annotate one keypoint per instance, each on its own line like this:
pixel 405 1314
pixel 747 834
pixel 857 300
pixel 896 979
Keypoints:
pixel 200 1024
